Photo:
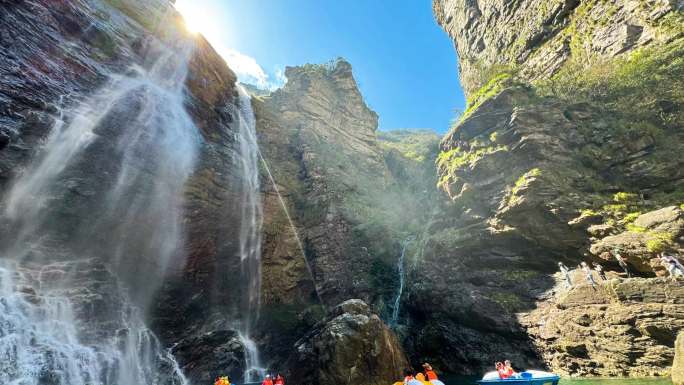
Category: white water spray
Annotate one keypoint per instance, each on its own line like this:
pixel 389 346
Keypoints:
pixel 250 236
pixel 41 338
pixel 109 183
pixel 402 276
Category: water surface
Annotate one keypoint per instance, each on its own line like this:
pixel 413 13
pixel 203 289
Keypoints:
pixel 472 380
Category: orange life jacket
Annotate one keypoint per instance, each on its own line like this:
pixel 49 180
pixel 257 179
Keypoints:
pixel 503 373
pixel 431 375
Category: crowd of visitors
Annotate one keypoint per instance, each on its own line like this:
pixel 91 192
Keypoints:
pixel 672 265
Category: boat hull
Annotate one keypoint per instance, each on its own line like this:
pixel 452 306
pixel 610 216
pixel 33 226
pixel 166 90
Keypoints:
pixel 550 380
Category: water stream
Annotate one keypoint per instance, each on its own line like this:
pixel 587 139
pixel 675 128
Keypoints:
pixel 107 184
pixel 401 273
pixel 250 236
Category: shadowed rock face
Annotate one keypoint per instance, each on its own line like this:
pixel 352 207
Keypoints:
pixel 350 346
pixel 333 131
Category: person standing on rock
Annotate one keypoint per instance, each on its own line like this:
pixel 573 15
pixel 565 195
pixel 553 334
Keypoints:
pixel 671 258
pixel 566 273
pixel 590 278
pixel 671 266
pixel 621 261
pixel 599 270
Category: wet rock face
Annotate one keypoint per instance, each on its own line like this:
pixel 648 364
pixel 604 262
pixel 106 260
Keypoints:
pixel 678 364
pixel 210 355
pixel 621 328
pixel 539 36
pixel 55 55
pixel 350 346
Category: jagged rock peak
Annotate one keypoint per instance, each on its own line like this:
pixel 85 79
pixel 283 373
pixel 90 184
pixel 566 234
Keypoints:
pixel 335 79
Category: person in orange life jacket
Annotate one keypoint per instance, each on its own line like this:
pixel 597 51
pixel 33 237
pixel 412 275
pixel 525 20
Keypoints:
pixel 409 379
pixel 421 378
pixel 267 380
pixel 509 369
pixel 501 370
pixel 280 380
pixel 429 373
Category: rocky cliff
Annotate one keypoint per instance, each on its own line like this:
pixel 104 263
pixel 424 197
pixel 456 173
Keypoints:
pixel 678 364
pixel 621 328
pixel 332 228
pixel 573 121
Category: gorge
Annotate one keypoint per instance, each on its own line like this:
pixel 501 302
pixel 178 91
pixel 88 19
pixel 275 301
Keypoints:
pixel 162 223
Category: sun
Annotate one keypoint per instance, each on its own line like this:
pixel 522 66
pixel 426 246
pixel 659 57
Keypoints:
pixel 197 19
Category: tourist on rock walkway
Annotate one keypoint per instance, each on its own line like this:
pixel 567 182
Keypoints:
pixel 599 270
pixel 587 270
pixel 621 261
pixel 566 273
pixel 674 260
pixel 671 267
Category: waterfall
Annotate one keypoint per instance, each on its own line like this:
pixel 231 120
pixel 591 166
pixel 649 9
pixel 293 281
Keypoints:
pixel 400 272
pixel 41 340
pixel 107 185
pixel 250 235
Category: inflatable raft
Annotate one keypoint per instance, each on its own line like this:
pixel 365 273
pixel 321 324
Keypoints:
pixel 528 377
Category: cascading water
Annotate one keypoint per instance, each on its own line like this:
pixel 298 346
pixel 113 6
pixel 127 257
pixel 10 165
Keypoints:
pixel 107 185
pixel 250 235
pixel 400 271
pixel 41 339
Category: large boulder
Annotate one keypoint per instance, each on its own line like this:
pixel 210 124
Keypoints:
pixel 350 346
pixel 205 357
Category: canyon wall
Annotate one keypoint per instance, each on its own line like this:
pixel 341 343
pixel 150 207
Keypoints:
pixel 342 184
pixel 566 152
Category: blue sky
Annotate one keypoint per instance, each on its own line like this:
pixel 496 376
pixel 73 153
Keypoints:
pixel 404 63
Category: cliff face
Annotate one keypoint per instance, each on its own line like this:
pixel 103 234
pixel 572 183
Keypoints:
pixel 566 151
pixel 623 328
pixel 540 37
pixel 341 183
pixel 319 137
